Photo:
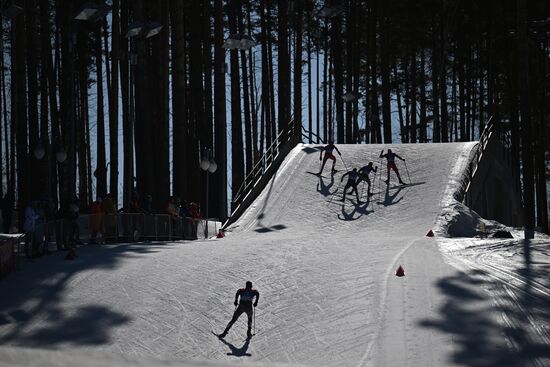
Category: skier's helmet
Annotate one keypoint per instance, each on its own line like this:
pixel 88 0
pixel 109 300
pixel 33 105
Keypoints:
pixel 370 164
pixel 389 150
pixel 355 170
pixel 249 284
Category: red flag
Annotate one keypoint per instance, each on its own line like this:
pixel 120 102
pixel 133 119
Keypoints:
pixel 400 271
pixel 71 255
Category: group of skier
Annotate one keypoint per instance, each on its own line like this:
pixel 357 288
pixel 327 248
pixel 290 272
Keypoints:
pixel 246 299
pixel 355 177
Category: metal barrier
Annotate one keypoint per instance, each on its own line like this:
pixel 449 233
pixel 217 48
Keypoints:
pixel 484 138
pixel 262 171
pixel 125 227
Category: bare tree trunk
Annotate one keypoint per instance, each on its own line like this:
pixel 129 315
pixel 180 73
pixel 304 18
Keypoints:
pixel 412 98
pixel 526 138
pixel 38 188
pixel 19 111
pixel 121 11
pixel 338 78
pixel 283 64
pixel 100 172
pixel 266 96
pixel 246 101
pixel 220 176
pixel 385 70
pixel 309 93
pixel 423 107
pixel 113 103
pixel 252 73
pixel 298 51
pixel 236 121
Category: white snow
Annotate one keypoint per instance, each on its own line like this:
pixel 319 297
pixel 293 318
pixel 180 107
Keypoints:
pixel 325 272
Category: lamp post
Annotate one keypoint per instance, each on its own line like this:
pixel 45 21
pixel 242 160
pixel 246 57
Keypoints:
pixel 208 165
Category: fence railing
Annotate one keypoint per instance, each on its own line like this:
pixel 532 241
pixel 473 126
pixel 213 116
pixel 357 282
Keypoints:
pixel 270 155
pixel 107 228
pixel 484 139
pixel 305 136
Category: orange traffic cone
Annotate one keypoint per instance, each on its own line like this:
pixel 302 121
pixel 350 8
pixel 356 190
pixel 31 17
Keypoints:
pixel 400 271
pixel 430 233
pixel 71 255
pixel 221 234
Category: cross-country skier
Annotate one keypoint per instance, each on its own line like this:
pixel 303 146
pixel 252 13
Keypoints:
pixel 328 149
pixel 364 175
pixel 390 157
pixel 245 304
pixel 353 176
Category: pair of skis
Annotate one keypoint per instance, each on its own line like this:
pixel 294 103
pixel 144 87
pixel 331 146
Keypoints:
pixel 219 336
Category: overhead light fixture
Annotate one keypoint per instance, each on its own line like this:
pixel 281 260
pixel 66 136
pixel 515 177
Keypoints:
pixel 232 42
pixel 11 11
pixel 246 42
pixel 92 12
pixel 61 155
pixel 331 11
pixel 351 96
pixel 153 29
pixel 39 152
pixel 135 29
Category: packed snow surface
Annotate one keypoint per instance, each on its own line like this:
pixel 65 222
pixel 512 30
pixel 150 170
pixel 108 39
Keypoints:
pixel 325 271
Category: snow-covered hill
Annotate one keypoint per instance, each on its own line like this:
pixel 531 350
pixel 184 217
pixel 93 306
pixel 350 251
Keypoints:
pixel 325 272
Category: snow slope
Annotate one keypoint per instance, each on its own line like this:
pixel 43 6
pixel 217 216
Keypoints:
pixel 325 271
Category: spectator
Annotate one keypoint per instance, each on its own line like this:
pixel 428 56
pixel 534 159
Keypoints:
pixel 7 212
pixel 134 221
pixel 184 210
pixel 71 215
pixel 109 211
pixel 40 228
pixel 28 227
pixel 196 217
pixel 134 206
pixel 195 211
pixel 147 205
pixel 96 221
pixel 172 208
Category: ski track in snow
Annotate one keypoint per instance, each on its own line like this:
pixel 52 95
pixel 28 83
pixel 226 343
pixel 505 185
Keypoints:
pixel 325 272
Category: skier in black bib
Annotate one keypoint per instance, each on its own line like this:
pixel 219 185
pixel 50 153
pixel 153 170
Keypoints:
pixel 364 175
pixel 353 176
pixel 390 157
pixel 245 304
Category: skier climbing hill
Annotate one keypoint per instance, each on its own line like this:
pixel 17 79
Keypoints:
pixel 353 176
pixel 328 149
pixel 390 158
pixel 364 175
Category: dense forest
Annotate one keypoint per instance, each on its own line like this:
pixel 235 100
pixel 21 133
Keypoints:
pixel 180 79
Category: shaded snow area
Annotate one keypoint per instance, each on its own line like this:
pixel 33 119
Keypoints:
pixel 325 271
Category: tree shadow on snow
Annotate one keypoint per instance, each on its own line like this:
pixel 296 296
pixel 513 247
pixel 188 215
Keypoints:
pixel 238 352
pixel 470 315
pixel 41 286
pixel 277 227
pixel 310 150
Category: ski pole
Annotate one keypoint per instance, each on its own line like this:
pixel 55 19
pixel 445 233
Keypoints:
pixel 344 163
pixel 407 171
pixel 380 179
pixel 373 182
pixel 338 187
